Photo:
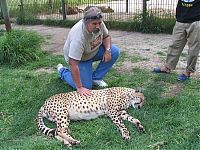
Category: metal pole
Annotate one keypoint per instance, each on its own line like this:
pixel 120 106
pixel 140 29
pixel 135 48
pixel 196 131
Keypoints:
pixel 21 7
pixel 1 13
pixel 198 63
pixel 126 6
pixel 50 4
pixel 63 10
pixel 21 17
pixel 4 7
pixel 144 9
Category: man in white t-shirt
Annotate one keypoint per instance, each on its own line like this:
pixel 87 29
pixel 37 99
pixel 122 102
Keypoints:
pixel 88 41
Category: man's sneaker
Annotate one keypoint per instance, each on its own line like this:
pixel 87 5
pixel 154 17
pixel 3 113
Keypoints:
pixel 183 77
pixel 99 83
pixel 59 66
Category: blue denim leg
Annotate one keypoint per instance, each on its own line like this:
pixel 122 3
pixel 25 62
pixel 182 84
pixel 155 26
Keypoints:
pixel 103 68
pixel 85 68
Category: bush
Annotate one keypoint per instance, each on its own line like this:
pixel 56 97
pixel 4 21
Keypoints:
pixel 149 24
pixel 19 47
pixel 153 24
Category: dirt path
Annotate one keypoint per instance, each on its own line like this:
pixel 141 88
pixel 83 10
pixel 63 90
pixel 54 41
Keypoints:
pixel 151 48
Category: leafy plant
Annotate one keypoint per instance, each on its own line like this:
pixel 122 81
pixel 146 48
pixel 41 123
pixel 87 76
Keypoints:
pixel 149 24
pixel 19 47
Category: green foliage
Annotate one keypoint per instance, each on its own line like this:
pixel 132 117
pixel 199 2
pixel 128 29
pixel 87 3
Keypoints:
pixel 32 8
pixel 151 24
pixel 2 31
pixel 19 47
pixel 161 53
pixel 1 21
pixel 61 23
pixel 30 21
pixel 48 22
pixel 79 2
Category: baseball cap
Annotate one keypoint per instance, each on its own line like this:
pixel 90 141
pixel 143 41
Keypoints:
pixel 93 13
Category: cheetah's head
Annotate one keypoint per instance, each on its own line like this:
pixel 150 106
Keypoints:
pixel 136 99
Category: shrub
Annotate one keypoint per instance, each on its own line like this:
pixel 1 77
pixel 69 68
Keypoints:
pixel 19 47
pixel 149 24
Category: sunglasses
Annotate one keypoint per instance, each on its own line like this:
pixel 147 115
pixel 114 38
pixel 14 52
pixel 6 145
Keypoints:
pixel 98 16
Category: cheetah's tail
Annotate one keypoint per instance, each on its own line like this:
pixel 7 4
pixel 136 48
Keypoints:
pixel 44 129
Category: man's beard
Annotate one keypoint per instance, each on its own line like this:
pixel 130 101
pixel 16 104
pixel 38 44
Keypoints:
pixel 96 31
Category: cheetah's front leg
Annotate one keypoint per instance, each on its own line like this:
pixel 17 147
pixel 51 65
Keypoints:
pixel 120 125
pixel 125 116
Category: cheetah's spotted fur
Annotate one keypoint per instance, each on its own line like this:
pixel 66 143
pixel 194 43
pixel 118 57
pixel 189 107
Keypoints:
pixel 61 108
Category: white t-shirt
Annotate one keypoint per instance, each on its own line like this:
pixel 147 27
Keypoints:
pixel 82 45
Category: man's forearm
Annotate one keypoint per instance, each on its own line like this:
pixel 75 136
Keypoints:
pixel 76 76
pixel 75 72
pixel 107 42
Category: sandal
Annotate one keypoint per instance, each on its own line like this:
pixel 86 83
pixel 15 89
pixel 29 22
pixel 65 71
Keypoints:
pixel 183 77
pixel 158 70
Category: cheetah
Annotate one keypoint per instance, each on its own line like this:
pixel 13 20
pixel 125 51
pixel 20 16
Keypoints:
pixel 63 107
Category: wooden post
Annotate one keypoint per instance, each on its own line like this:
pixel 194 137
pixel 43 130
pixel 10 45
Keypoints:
pixel 6 15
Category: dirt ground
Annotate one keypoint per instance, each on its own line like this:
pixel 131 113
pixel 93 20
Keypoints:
pixel 151 47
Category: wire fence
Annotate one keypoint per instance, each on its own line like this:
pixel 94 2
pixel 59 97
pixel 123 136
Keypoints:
pixel 117 10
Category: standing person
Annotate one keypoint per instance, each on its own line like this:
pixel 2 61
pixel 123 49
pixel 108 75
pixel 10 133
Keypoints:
pixel 88 41
pixel 186 30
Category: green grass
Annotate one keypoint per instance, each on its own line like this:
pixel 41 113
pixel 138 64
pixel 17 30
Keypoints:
pixel 171 121
pixel 133 58
pixel 161 53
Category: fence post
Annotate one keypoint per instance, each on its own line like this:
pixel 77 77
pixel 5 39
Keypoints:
pixel 4 7
pixel 21 11
pixel 198 63
pixel 1 13
pixel 50 4
pixel 21 17
pixel 144 11
pixel 126 6
pixel 63 10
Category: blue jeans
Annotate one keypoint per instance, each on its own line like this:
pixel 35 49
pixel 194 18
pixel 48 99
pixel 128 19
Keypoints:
pixel 85 67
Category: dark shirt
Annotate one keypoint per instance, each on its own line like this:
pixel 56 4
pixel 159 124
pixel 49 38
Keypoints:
pixel 188 11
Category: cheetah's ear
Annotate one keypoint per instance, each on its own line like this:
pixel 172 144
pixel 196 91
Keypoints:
pixel 139 90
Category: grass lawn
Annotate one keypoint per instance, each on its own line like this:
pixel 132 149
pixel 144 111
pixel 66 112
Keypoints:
pixel 171 114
